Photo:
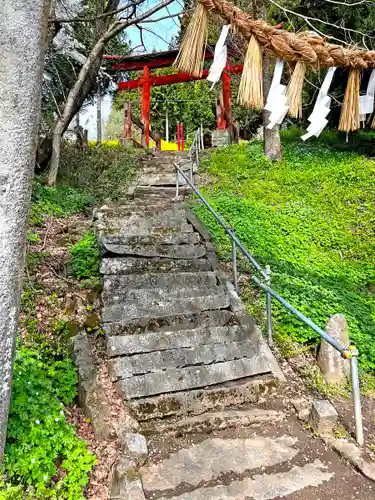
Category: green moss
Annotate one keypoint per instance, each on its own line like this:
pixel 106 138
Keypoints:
pixel 85 257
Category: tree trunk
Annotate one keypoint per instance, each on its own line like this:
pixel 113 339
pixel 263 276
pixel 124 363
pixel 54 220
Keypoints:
pixel 76 97
pixel 45 147
pixel 23 29
pixel 272 143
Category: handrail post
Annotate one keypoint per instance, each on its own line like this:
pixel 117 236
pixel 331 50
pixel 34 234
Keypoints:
pixel 356 396
pixel 177 184
pixel 234 261
pixel 269 307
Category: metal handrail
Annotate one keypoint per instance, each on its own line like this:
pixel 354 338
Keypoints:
pixel 347 352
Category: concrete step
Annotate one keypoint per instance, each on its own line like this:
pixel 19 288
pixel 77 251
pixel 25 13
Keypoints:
pixel 144 230
pixel 165 157
pixel 165 168
pixel 118 285
pixel 184 357
pixel 267 466
pixel 156 239
pixel 175 322
pixel 170 251
pixel 196 401
pixel 192 377
pixel 162 219
pixel 124 345
pixel 133 265
pixel 153 308
pixel 145 209
pixel 161 191
pixel 160 179
pixel 160 294
pixel 150 200
pixel 214 421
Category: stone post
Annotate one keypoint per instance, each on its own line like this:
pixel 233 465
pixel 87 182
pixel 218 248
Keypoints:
pixel 334 368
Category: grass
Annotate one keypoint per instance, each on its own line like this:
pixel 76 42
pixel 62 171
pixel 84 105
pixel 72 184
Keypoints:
pixel 311 218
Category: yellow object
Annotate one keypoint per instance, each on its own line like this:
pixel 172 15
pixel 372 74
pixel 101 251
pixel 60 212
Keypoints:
pixel 165 146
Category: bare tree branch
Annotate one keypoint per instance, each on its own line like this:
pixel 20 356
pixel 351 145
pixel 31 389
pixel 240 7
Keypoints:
pixel 141 28
pixel 308 20
pixel 119 26
pixel 166 17
pixel 95 18
pixel 348 4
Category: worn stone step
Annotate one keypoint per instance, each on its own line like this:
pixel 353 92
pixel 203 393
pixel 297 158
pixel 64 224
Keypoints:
pixel 170 251
pixel 161 191
pixel 214 421
pixel 133 265
pixel 151 308
pixel 161 294
pixel 200 355
pixel 162 179
pixel 197 401
pixel 159 220
pixel 155 239
pixel 147 200
pixel 165 168
pixel 144 230
pixel 117 285
pixel 183 379
pixel 138 210
pixel 159 341
pixel 185 321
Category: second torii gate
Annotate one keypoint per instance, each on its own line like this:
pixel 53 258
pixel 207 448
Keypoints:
pixel 146 62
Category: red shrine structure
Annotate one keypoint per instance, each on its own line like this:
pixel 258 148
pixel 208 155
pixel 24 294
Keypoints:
pixel 148 62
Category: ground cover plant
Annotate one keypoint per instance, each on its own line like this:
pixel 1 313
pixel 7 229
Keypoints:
pixel 46 454
pixel 311 218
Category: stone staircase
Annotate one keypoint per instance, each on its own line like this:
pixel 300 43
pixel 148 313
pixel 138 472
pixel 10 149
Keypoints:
pixel 193 369
pixel 177 335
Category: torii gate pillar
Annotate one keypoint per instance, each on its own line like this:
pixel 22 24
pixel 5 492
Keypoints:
pixel 146 96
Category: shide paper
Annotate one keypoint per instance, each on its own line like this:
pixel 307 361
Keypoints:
pixel 318 118
pixel 220 57
pixel 276 99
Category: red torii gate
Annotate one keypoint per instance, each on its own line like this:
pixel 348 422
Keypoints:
pixel 146 62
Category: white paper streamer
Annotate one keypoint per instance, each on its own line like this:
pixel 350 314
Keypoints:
pixel 276 99
pixel 220 57
pixel 318 118
pixel 366 102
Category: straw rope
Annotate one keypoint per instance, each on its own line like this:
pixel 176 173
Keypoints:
pixel 305 47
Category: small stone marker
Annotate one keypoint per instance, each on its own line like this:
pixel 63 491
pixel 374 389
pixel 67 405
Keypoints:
pixel 125 483
pixel 323 417
pixel 135 445
pixel 334 368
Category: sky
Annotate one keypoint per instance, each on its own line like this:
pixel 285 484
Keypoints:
pixel 163 32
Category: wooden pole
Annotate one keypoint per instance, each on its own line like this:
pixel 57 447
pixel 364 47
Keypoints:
pixel 227 103
pixel 166 125
pixel 128 120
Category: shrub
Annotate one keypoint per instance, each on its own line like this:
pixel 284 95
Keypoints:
pixel 85 257
pixel 59 202
pixel 104 171
pixel 42 451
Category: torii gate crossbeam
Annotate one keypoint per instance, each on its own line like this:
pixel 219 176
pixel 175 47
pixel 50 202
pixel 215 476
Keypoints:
pixel 164 59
